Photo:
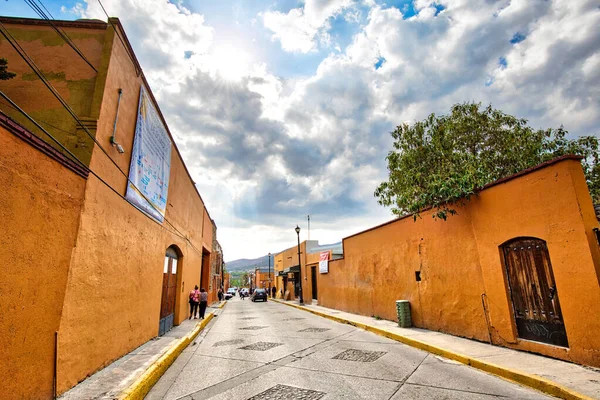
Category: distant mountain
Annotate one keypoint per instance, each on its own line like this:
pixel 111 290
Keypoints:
pixel 245 264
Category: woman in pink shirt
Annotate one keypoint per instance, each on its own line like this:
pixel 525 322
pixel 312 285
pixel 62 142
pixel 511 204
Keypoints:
pixel 194 300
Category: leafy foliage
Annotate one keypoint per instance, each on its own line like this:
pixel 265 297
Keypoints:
pixel 4 73
pixel 443 160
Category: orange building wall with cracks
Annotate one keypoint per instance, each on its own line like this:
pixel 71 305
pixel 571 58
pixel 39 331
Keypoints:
pixel 109 292
pixel 460 261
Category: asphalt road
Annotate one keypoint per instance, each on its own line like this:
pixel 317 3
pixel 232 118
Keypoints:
pixel 272 351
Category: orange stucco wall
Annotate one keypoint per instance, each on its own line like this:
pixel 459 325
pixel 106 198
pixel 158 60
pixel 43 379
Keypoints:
pixel 117 266
pixel 107 280
pixel 40 216
pixel 71 76
pixel 261 278
pixel 459 260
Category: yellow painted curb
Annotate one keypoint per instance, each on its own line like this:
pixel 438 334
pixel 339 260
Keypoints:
pixel 532 381
pixel 140 388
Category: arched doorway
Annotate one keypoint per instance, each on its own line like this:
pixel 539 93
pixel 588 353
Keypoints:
pixel 169 291
pixel 533 291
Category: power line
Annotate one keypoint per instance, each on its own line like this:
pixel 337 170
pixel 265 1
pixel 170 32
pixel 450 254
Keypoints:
pixel 35 7
pixel 88 169
pixel 43 78
pixel 131 57
pixel 39 120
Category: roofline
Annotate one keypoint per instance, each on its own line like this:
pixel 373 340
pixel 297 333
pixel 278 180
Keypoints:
pixel 85 24
pixel 489 185
pixel 112 21
pixel 34 141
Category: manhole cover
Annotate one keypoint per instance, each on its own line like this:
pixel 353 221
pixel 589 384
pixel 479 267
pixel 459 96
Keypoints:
pixel 228 342
pixel 284 392
pixel 314 330
pixel 253 328
pixel 260 346
pixel 293 319
pixel 359 355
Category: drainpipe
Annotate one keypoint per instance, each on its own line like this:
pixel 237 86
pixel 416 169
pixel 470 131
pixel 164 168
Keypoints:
pixel 113 140
pixel 54 384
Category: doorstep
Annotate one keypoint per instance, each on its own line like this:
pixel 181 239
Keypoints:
pixel 130 375
pixel 555 377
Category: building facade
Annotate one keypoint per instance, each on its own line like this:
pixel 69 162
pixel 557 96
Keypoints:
pixel 518 266
pixel 88 276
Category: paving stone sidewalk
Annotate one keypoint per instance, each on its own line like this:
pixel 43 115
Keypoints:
pixel 581 379
pixel 111 381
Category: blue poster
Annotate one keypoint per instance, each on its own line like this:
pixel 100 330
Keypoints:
pixel 150 166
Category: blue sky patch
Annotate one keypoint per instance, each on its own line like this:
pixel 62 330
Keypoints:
pixel 502 62
pixel 187 54
pixel 380 62
pixel 517 38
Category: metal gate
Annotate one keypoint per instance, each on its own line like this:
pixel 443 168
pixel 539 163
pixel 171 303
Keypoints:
pixel 169 291
pixel 533 291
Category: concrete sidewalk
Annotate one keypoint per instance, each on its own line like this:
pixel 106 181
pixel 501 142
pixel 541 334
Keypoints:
pixel 555 377
pixel 125 375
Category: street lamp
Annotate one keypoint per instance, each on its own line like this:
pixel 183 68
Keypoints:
pixel 269 276
pixel 299 265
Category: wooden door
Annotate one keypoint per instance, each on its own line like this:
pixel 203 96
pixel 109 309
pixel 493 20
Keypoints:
pixel 533 291
pixel 313 277
pixel 169 292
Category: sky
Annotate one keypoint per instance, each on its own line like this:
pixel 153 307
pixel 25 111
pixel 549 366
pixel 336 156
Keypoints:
pixel 284 108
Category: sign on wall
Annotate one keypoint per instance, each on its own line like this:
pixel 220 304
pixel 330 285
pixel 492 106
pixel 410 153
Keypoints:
pixel 150 161
pixel 324 262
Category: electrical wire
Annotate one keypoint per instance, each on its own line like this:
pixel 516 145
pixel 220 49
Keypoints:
pixel 35 7
pixel 138 69
pixel 89 170
pixel 39 120
pixel 13 42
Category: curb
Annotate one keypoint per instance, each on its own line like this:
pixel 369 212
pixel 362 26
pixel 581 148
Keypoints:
pixel 523 378
pixel 140 388
pixel 220 305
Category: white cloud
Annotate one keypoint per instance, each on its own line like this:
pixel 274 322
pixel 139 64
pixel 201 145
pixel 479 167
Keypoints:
pixel 267 150
pixel 301 29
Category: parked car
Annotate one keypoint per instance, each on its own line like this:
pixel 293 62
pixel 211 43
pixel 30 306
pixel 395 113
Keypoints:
pixel 230 293
pixel 259 294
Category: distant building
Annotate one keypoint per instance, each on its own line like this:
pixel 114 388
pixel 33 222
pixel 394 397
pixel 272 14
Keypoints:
pixel 79 256
pixel 288 268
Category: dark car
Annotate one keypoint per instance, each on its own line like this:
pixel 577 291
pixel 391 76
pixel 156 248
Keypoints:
pixel 259 294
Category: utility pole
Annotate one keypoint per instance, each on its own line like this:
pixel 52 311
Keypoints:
pixel 308 216
pixel 299 265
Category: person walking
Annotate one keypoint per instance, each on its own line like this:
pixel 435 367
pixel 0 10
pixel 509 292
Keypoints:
pixel 194 300
pixel 203 302
pixel 220 295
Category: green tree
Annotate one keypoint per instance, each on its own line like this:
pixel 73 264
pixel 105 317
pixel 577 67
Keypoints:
pixel 4 73
pixel 443 160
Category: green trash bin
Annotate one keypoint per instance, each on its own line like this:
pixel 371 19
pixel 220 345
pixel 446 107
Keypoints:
pixel 403 310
